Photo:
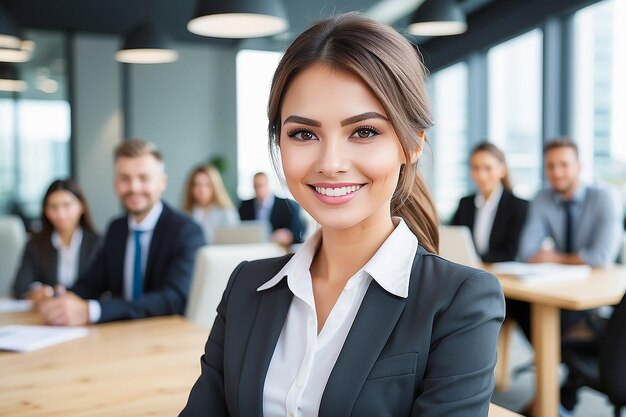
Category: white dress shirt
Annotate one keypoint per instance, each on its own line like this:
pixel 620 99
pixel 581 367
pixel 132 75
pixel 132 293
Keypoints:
pixel 483 221
pixel 263 209
pixel 68 257
pixel 303 359
pixel 147 226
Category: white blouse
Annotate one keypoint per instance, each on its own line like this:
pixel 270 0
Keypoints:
pixel 68 257
pixel 485 215
pixel 303 360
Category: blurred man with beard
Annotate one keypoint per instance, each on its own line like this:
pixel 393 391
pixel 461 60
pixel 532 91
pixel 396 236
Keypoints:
pixel 583 221
pixel 584 224
pixel 145 266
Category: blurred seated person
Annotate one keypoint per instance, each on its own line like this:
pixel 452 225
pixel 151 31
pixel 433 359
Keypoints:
pixel 582 221
pixel 64 248
pixel 145 266
pixel 494 215
pixel 207 201
pixel 282 214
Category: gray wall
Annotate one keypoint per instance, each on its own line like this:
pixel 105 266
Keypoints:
pixel 188 109
pixel 98 121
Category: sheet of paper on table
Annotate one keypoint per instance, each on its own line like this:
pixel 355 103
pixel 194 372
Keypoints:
pixel 24 338
pixel 542 273
pixel 10 305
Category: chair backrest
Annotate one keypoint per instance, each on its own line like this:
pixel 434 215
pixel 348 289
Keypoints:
pixel 613 356
pixel 250 231
pixel 12 241
pixel 456 244
pixel 214 265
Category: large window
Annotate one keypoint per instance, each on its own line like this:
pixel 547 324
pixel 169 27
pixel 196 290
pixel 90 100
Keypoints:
pixel 254 77
pixel 35 129
pixel 600 91
pixel 515 108
pixel 449 138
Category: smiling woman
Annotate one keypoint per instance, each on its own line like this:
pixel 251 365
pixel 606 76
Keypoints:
pixel 364 319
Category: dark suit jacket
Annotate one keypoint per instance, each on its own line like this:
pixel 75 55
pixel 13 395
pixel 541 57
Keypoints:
pixel 429 355
pixel 285 214
pixel 507 225
pixel 171 258
pixel 40 261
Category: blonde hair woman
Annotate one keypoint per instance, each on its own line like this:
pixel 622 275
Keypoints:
pixel 207 200
pixel 364 319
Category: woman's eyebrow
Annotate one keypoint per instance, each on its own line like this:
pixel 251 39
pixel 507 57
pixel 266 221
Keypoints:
pixel 302 120
pixel 361 117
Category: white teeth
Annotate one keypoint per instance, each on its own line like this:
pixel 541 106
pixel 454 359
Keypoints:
pixel 337 192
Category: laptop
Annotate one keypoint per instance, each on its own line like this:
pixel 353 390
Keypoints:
pixel 249 231
pixel 457 245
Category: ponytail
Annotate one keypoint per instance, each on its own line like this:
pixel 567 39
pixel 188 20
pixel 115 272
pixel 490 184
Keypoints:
pixel 417 208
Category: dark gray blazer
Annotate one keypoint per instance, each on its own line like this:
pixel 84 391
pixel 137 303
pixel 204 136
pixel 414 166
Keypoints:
pixel 171 257
pixel 429 355
pixel 40 261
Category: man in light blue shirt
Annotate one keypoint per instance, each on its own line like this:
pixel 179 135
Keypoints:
pixel 594 216
pixel 584 224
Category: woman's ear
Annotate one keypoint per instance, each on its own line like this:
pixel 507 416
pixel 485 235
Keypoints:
pixel 417 151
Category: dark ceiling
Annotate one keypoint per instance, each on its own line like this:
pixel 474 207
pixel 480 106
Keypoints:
pixel 118 16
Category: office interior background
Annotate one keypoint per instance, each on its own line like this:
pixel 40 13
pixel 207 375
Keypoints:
pixel 524 72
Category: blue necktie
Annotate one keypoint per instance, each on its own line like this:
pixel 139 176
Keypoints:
pixel 137 274
pixel 569 226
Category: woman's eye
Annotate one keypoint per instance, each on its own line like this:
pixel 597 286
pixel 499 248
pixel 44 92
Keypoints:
pixel 302 135
pixel 364 133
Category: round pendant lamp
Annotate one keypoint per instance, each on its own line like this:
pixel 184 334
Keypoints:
pixel 9 78
pixel 438 18
pixel 21 54
pixel 10 36
pixel 145 44
pixel 238 19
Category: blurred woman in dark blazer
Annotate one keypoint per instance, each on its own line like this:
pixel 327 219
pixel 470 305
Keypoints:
pixel 63 249
pixel 494 215
pixel 364 319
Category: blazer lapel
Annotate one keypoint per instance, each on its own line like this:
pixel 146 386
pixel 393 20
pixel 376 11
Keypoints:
pixel 159 236
pixel 370 331
pixel 266 329
pixel 498 221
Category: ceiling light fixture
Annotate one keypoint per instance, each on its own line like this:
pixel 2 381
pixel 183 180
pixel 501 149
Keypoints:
pixel 9 79
pixel 10 36
pixel 438 18
pixel 21 54
pixel 144 44
pixel 238 19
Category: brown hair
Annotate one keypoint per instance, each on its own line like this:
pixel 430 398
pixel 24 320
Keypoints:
pixel 562 142
pixel 71 186
pixel 393 70
pixel 220 195
pixel 494 151
pixel 134 148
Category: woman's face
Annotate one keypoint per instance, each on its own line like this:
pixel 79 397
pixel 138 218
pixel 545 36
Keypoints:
pixel 63 209
pixel 487 171
pixel 202 189
pixel 340 154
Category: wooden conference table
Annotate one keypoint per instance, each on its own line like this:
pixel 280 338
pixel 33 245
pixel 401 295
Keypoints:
pixel 604 287
pixel 131 368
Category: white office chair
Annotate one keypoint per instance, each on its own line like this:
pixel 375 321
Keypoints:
pixel 214 265
pixel 457 245
pixel 12 241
